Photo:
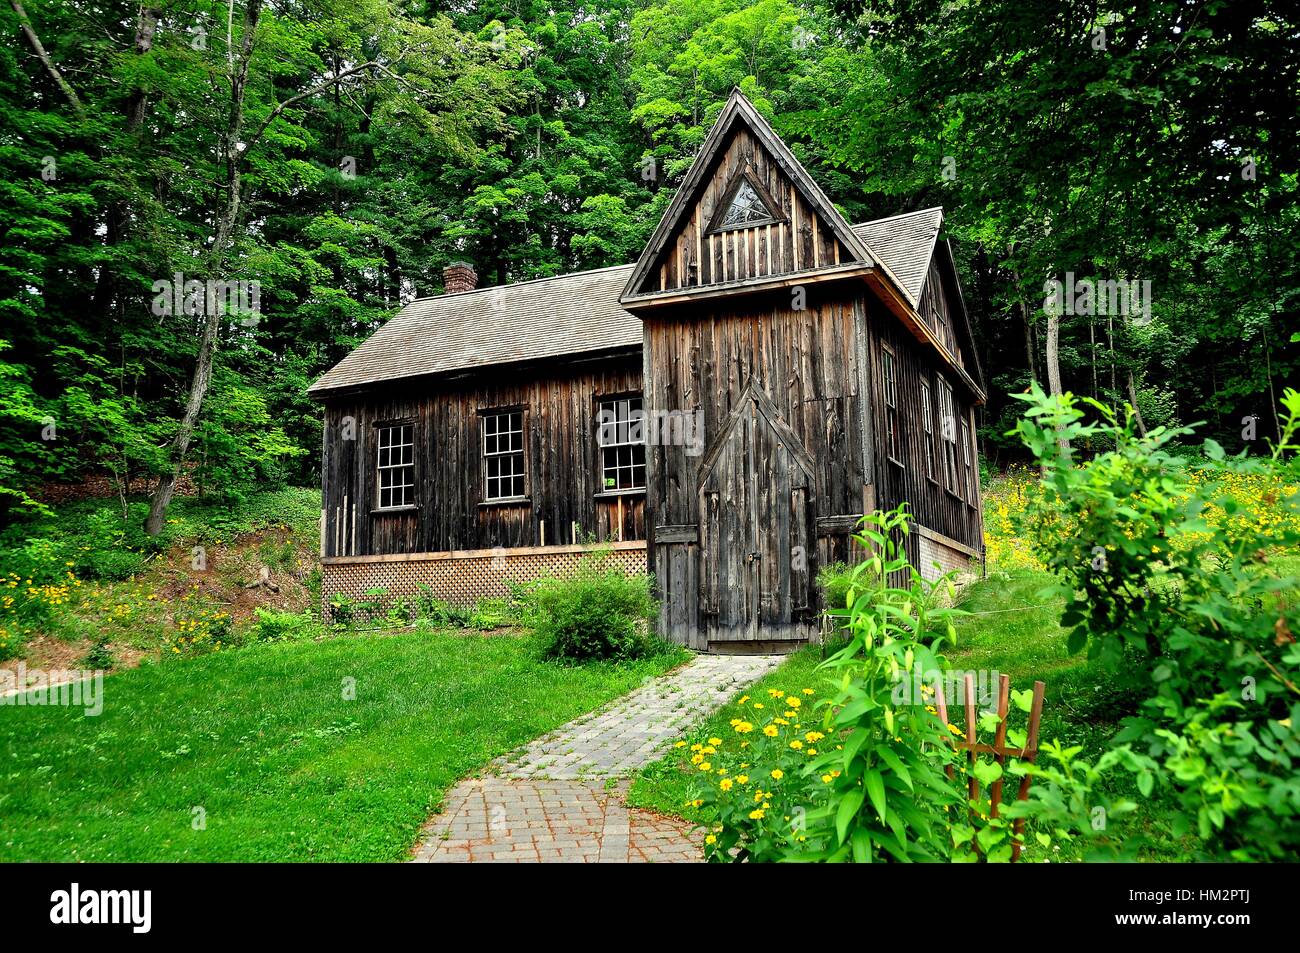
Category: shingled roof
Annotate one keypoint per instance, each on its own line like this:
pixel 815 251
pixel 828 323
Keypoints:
pixel 904 244
pixel 570 314
pixel 527 321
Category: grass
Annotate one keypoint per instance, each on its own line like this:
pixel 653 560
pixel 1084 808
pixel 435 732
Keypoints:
pixel 282 766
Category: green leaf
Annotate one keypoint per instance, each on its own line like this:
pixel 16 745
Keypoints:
pixel 1077 641
pixel 849 805
pixel 895 763
pixel 876 788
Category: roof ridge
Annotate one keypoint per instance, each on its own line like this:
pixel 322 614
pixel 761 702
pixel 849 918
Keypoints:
pixel 890 218
pixel 517 284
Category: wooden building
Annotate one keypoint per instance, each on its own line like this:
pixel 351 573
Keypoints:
pixel 721 412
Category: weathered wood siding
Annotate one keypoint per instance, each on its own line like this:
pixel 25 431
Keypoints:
pixel 561 459
pixel 692 257
pixel 807 367
pixel 956 515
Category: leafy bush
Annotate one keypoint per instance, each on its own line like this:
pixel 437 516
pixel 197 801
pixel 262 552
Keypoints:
pixel 1205 612
pixel 272 626
pixel 341 609
pixel 600 613
pixel 865 779
pixel 872 773
pixel 438 612
pixel 493 613
pixel 99 656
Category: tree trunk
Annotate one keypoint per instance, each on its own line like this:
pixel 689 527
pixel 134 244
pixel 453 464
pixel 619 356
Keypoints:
pixel 202 379
pixel 1133 402
pixel 1054 364
pixel 25 24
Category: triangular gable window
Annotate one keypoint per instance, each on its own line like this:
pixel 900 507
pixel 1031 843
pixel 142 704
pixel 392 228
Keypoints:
pixel 746 206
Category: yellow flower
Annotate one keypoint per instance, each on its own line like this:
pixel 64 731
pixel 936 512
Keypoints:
pixel 808 691
pixel 725 784
pixel 711 839
pixel 744 728
pixel 680 744
pixel 796 744
pixel 715 741
pixel 793 702
pixel 771 731
pixel 826 779
pixel 777 774
pixel 742 779
pixel 706 766
pixel 756 814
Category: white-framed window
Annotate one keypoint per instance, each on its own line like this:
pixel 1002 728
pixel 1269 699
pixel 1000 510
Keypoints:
pixel 969 458
pixel 621 437
pixel 927 419
pixel 503 455
pixel 889 378
pixel 395 465
pixel 948 433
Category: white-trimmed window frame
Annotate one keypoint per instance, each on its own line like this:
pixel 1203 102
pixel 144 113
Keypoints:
pixel 511 463
pixel 927 420
pixel 889 389
pixel 394 481
pixel 626 440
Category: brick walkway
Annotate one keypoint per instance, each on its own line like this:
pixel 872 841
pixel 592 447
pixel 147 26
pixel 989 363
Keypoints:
pixel 561 797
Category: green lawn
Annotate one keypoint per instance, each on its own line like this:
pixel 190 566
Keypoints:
pixel 263 740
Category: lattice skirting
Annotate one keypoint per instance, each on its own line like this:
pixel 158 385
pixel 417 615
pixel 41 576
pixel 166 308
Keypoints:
pixel 464 577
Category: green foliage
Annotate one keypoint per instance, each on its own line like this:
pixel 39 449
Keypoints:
pixel 272 626
pixel 100 656
pixel 1208 616
pixel 438 612
pixel 869 782
pixel 599 613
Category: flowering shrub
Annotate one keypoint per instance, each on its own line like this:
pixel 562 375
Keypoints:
pixel 863 775
pixel 1167 571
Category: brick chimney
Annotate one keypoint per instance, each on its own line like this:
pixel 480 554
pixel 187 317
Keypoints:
pixel 458 276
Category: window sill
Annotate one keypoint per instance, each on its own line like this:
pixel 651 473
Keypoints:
pixel 384 510
pixel 612 494
pixel 508 501
pixel 897 463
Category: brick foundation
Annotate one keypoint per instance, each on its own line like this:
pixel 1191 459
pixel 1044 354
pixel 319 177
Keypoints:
pixel 948 553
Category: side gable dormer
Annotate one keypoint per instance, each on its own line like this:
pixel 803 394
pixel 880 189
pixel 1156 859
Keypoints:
pixel 747 214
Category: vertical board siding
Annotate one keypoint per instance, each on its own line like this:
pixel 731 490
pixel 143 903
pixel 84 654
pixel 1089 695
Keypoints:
pixel 561 459
pixel 759 486
pixel 930 502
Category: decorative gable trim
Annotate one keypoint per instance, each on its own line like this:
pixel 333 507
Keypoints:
pixel 744 178
pixel 738 111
